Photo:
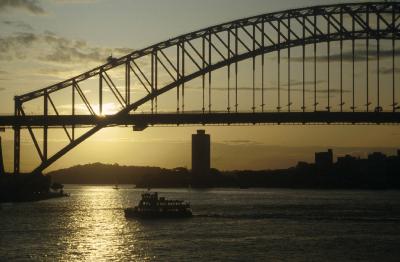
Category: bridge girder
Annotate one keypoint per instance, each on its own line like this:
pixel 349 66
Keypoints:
pixel 193 118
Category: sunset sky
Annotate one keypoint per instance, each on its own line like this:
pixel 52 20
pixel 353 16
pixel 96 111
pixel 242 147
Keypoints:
pixel 44 42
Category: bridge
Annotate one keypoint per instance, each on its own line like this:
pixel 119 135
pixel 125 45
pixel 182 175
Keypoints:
pixel 332 64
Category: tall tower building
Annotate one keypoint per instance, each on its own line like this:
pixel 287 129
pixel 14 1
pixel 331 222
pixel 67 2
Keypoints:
pixel 201 153
pixel 324 159
pixel 2 171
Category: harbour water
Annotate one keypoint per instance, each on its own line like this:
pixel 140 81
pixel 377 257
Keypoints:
pixel 228 225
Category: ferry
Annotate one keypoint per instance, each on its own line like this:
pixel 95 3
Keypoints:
pixel 153 207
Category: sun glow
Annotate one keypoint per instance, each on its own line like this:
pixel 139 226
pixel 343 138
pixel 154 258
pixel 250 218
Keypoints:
pixel 109 109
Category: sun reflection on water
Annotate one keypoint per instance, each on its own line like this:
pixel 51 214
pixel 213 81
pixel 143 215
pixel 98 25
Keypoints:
pixel 98 229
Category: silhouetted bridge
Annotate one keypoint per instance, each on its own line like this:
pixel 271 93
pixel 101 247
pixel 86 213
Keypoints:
pixel 331 64
pixel 141 121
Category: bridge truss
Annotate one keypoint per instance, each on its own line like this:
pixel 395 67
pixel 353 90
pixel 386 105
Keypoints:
pixel 342 56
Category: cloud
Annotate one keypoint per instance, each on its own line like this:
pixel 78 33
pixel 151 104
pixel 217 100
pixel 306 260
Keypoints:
pixel 299 83
pixel 74 1
pixel 359 55
pixel 54 70
pixel 14 46
pixel 284 88
pixel 18 24
pixel 389 71
pixel 307 90
pixel 49 47
pixel 31 6
pixel 68 51
pixel 240 142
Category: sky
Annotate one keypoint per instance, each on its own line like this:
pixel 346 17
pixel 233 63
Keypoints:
pixel 44 42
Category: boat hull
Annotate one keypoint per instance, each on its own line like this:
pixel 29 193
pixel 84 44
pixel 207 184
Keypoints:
pixel 131 213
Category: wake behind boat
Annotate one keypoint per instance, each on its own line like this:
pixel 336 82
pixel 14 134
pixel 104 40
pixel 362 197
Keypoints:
pixel 152 207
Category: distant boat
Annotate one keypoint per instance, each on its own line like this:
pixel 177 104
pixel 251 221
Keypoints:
pixel 116 187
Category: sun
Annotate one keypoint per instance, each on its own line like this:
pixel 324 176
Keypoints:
pixel 109 109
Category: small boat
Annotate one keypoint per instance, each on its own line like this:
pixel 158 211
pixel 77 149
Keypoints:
pixel 116 187
pixel 153 207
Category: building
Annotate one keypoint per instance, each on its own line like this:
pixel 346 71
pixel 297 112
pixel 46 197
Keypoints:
pixel 348 162
pixel 324 159
pixel 376 157
pixel 2 171
pixel 201 156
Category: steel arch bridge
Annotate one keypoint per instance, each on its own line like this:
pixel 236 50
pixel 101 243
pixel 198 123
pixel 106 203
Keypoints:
pixel 352 47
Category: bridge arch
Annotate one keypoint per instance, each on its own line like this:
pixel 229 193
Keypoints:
pixel 288 29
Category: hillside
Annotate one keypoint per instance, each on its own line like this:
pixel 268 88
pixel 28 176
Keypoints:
pixel 98 173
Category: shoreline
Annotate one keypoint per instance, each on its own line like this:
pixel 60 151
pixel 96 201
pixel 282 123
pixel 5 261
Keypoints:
pixel 132 186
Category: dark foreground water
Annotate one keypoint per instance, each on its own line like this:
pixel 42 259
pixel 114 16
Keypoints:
pixel 228 225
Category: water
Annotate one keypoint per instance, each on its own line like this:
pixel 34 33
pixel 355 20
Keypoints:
pixel 228 225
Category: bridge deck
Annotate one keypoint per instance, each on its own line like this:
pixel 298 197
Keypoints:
pixel 143 120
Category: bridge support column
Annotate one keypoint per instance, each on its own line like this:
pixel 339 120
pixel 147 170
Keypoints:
pixel 17 138
pixel 100 93
pixel 45 128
